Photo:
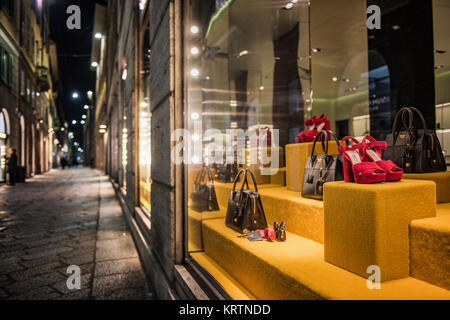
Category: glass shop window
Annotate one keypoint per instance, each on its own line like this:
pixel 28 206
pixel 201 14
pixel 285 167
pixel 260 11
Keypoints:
pixel 441 26
pixel 145 117
pixel 255 73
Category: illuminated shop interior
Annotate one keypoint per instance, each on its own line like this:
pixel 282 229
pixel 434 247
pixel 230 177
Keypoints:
pixel 253 64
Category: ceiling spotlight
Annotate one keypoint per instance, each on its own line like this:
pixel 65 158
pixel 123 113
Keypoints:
pixel 82 122
pixel 195 29
pixel 90 94
pixel 335 79
pixel 195 116
pixel 195 51
pixel 74 122
pixel 243 53
pixel 195 73
pixel 289 6
pixel 75 95
pixel 316 49
pixel 98 35
pixel 94 64
pixel 84 116
pixel 86 107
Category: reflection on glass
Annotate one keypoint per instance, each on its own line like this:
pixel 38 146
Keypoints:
pixel 441 14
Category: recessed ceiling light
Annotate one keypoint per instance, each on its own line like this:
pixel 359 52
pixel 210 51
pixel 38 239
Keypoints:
pixel 335 79
pixel 195 72
pixel 396 27
pixel 98 35
pixel 289 6
pixel 194 51
pixel 94 64
pixel 316 50
pixel 195 29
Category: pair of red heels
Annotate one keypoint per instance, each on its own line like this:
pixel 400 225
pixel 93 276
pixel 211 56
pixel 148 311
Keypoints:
pixel 314 126
pixel 363 161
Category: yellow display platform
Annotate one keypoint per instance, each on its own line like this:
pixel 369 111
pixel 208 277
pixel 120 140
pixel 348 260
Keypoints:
pixel 195 219
pixel 368 224
pixel 296 155
pixel 228 283
pixel 296 269
pixel 303 216
pixel 430 248
pixel 442 180
pixel 279 178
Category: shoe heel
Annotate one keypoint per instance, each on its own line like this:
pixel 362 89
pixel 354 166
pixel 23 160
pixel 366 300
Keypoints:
pixel 348 172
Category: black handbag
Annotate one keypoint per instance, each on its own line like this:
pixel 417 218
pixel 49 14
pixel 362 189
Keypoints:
pixel 415 150
pixel 245 211
pixel 321 168
pixel 204 194
pixel 226 172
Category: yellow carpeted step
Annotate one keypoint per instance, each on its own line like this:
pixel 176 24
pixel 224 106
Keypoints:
pixel 233 288
pixel 303 216
pixel 195 241
pixel 442 180
pixel 430 248
pixel 296 269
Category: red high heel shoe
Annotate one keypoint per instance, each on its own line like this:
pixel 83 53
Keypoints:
pixel 373 152
pixel 355 169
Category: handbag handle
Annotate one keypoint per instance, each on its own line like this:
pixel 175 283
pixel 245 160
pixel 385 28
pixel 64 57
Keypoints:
pixel 253 178
pixel 402 113
pixel 201 175
pixel 324 135
pixel 237 178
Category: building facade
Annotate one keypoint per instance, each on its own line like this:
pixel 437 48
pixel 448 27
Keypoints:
pixel 29 87
pixel 176 77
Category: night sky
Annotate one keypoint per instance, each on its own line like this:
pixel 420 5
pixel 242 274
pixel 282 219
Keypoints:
pixel 74 49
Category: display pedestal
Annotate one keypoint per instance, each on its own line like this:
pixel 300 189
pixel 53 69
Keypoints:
pixel 442 180
pixel 368 225
pixel 296 155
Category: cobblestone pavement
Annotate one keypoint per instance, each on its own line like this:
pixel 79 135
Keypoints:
pixel 60 219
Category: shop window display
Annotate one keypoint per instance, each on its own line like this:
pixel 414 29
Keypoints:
pixel 262 82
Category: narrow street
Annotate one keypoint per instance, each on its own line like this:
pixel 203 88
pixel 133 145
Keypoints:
pixel 60 219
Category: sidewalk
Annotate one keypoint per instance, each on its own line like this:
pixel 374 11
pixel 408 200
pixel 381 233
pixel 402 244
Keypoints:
pixel 60 219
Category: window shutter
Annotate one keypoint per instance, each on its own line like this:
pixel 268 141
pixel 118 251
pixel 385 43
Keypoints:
pixel 10 69
pixel 2 63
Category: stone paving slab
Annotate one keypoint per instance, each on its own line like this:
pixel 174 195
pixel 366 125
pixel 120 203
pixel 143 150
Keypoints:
pixel 60 219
